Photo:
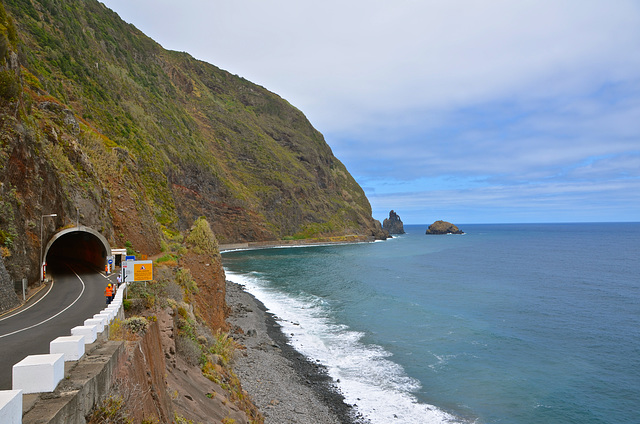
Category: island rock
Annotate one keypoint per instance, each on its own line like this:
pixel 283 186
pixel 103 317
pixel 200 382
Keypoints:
pixel 443 227
pixel 393 224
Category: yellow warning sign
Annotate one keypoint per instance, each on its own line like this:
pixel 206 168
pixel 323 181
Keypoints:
pixel 143 270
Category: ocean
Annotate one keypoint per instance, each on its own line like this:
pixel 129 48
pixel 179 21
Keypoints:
pixel 511 323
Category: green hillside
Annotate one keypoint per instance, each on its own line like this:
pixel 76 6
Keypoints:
pixel 100 123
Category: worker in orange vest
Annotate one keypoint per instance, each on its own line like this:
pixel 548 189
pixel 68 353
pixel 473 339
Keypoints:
pixel 108 293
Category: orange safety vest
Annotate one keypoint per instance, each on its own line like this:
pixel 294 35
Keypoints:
pixel 108 292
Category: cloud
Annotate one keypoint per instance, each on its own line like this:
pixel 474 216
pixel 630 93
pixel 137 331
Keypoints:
pixel 472 104
pixel 346 62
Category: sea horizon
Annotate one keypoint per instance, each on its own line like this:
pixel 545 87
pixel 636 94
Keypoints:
pixel 530 223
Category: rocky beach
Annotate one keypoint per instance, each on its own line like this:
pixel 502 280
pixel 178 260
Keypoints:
pixel 286 387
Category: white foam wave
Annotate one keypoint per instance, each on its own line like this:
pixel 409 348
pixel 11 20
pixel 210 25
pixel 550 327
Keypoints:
pixel 380 388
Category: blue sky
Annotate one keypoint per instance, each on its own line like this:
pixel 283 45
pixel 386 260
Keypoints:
pixel 464 110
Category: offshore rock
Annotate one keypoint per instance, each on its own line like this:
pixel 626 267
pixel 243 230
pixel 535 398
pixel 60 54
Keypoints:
pixel 443 227
pixel 393 224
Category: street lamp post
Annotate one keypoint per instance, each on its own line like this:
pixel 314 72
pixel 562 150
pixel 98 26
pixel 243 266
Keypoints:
pixel 41 236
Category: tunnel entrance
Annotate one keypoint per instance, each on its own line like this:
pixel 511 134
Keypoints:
pixel 78 244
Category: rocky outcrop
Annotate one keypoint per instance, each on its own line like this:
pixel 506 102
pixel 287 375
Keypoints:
pixel 8 298
pixel 393 224
pixel 443 227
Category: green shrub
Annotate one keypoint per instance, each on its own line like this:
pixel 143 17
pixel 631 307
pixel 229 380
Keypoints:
pixel 186 281
pixel 9 85
pixel 224 346
pixel 111 410
pixel 168 260
pixel 136 325
pixel 179 419
pixel 201 238
pixel 129 246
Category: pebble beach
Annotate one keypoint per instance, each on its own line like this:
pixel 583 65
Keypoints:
pixel 286 387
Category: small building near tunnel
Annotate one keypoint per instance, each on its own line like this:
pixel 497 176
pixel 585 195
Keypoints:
pixel 119 256
pixel 80 243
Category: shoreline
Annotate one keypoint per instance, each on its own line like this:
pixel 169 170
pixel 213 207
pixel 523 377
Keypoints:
pixel 329 241
pixel 285 385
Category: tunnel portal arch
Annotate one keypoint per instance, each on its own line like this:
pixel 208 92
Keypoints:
pixel 79 243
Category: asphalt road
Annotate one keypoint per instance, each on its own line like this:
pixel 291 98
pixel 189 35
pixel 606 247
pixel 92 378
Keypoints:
pixel 76 294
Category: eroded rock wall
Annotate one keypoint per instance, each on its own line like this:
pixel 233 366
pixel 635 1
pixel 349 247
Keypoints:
pixel 8 297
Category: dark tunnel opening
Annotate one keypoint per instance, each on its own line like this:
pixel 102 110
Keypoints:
pixel 76 247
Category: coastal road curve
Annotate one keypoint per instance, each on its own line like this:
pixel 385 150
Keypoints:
pixel 76 294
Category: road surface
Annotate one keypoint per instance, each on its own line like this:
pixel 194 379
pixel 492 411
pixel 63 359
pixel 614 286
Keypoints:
pixel 76 294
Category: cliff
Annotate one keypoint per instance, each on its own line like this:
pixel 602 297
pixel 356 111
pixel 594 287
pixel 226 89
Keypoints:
pixel 99 123
pixel 8 298
pixel 393 224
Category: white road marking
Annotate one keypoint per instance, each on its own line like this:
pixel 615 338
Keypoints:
pixel 52 317
pixel 30 306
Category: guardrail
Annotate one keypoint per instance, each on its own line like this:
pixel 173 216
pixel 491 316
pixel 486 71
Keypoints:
pixel 42 373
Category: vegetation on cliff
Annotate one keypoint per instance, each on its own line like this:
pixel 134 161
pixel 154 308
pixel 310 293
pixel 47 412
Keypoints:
pixel 178 322
pixel 443 227
pixel 137 141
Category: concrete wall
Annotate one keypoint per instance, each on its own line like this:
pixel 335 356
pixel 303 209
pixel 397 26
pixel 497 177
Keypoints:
pixel 86 384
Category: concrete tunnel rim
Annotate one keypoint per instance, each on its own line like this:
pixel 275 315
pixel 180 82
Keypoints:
pixel 80 228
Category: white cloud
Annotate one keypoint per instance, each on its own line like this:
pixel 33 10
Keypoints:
pixel 345 61
pixel 489 99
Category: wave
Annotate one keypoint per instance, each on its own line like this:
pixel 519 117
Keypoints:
pixel 378 388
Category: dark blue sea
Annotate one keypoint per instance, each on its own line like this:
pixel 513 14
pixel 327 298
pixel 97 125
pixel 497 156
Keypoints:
pixel 513 323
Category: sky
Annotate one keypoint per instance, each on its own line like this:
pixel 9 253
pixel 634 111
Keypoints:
pixel 470 111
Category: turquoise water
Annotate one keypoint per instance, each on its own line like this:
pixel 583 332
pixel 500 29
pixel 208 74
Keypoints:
pixel 528 323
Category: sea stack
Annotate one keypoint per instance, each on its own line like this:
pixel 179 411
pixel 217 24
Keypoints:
pixel 393 224
pixel 443 227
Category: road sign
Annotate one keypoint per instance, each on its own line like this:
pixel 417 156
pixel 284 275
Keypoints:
pixel 130 258
pixel 138 271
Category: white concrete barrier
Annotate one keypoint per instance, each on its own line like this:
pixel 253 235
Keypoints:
pixel 115 308
pixel 104 316
pixel 38 373
pixel 115 312
pixel 99 323
pixel 11 406
pixel 90 332
pixel 110 313
pixel 71 346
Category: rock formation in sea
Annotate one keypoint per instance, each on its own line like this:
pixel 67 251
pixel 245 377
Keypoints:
pixel 443 227
pixel 393 224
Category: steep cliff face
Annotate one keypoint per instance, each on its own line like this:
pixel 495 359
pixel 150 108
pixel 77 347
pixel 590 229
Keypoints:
pixel 99 123
pixel 8 298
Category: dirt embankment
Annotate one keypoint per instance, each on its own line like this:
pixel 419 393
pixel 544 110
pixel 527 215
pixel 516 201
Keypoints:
pixel 155 384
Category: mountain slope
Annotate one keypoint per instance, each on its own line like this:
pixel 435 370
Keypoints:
pixel 137 141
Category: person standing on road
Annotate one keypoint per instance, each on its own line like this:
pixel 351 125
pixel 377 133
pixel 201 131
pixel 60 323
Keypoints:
pixel 108 293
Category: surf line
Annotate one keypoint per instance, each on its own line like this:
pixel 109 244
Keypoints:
pixel 52 317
